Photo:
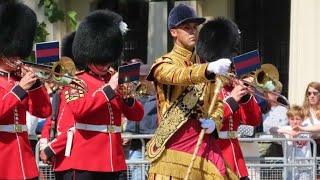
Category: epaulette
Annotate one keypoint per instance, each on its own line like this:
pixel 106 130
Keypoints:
pixel 163 59
pixel 76 90
pixel 78 84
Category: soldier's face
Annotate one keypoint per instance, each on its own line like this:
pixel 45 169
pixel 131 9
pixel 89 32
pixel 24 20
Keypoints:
pixel 99 68
pixel 185 35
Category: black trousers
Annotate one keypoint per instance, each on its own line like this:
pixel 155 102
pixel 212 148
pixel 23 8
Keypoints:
pixel 64 175
pixel 86 175
pixel 245 178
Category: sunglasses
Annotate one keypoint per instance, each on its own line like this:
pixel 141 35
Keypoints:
pixel 314 93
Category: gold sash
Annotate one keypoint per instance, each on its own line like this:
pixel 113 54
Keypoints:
pixel 176 115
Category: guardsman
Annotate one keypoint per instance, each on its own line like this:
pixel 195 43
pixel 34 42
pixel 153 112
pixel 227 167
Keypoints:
pixel 96 149
pixel 20 91
pixel 239 105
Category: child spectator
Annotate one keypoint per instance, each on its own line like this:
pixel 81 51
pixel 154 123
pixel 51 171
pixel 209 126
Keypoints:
pixel 297 151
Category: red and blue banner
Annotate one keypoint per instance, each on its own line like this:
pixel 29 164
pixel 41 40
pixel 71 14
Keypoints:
pixel 47 52
pixel 246 63
pixel 129 73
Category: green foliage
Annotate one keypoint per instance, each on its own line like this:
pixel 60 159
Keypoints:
pixel 41 32
pixel 72 16
pixel 51 10
pixel 54 14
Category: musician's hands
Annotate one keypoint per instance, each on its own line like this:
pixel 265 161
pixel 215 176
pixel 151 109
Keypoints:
pixel 43 143
pixel 208 124
pixel 28 79
pixel 220 66
pixel 250 80
pixel 45 158
pixel 113 82
pixel 238 92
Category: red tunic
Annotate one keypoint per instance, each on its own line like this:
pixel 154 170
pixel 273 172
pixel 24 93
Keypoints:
pixel 248 113
pixel 97 151
pixel 16 154
pixel 64 122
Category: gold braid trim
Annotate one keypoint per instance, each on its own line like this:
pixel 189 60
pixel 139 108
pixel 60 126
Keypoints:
pixel 230 175
pixel 172 120
pixel 175 163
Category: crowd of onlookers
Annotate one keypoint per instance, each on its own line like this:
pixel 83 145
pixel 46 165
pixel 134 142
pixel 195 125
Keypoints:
pixel 275 118
pixel 296 121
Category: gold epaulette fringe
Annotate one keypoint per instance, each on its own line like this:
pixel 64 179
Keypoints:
pixel 175 164
pixel 230 175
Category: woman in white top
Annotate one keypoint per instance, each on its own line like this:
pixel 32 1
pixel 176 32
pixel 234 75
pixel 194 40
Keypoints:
pixel 311 107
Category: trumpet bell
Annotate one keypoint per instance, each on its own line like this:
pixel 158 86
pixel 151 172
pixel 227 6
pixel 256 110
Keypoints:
pixel 265 80
pixel 63 70
pixel 140 90
pixel 266 77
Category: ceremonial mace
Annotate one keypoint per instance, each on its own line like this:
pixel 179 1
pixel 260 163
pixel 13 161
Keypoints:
pixel 220 81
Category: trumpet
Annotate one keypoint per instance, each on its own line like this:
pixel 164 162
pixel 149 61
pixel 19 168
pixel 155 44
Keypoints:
pixel 62 73
pixel 133 89
pixel 265 81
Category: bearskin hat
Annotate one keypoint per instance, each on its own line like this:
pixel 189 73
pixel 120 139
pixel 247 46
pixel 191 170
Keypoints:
pixel 66 49
pixel 218 38
pixel 99 38
pixel 67 41
pixel 17 29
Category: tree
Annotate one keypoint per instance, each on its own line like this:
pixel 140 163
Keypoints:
pixel 54 14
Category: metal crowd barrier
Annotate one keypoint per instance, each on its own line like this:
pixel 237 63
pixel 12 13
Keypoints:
pixel 260 168
pixel 137 167
pixel 275 168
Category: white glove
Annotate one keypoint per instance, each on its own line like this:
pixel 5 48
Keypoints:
pixel 220 66
pixel 208 124
pixel 43 143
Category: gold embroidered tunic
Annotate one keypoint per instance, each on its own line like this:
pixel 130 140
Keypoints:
pixel 184 94
pixel 174 72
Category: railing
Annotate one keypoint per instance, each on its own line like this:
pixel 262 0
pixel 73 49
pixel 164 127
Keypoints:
pixel 268 168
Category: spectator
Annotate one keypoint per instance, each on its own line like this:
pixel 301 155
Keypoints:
pixel 311 107
pixel 148 125
pixel 273 118
pixel 298 149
